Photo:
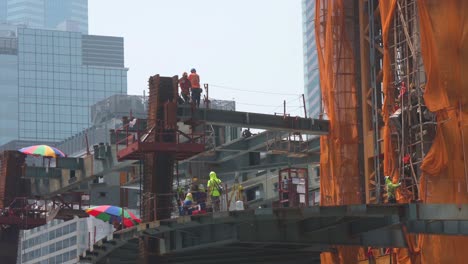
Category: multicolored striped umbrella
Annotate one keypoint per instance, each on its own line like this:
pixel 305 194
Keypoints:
pixel 111 214
pixel 43 150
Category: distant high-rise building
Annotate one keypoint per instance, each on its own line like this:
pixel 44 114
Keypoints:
pixel 67 15
pixel 60 241
pixel 311 72
pixel 49 79
pixel 3 11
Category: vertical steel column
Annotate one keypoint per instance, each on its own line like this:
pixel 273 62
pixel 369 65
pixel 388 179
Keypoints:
pixel 360 114
pixel 375 113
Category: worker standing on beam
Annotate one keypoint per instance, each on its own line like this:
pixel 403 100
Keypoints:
pixel 391 189
pixel 196 88
pixel 185 86
pixel 215 190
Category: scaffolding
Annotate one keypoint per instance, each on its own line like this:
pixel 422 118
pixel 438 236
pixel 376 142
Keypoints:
pixel 413 128
pixel 293 187
pixel 402 126
pixel 374 98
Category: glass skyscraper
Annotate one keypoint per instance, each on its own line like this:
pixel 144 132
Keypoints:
pixel 3 11
pixel 49 79
pixel 68 15
pixel 311 71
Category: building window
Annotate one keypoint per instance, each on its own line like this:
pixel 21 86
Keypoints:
pixel 253 193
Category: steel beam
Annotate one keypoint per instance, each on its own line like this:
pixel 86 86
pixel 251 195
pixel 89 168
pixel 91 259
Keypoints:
pixel 436 211
pixel 232 157
pixel 446 227
pixel 241 146
pixel 254 120
pixel 237 147
pixel 270 162
pixel 318 227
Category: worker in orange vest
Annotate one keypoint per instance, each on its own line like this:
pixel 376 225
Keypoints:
pixel 196 89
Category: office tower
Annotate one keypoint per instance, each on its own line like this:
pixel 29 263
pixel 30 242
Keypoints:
pixel 3 11
pixel 50 78
pixel 311 72
pixel 68 15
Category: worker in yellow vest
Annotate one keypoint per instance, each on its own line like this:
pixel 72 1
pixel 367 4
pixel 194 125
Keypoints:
pixel 215 189
pixel 391 189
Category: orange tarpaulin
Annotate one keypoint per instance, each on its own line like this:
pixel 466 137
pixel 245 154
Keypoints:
pixel 444 46
pixel 339 176
pixel 443 29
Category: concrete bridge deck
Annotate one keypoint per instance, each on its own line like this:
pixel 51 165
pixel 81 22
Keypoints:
pixel 283 235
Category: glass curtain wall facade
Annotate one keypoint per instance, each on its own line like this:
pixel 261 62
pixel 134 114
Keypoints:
pixel 60 241
pixel 55 89
pixel 8 97
pixel 26 12
pixel 8 84
pixel 311 72
pixel 53 243
pixel 68 15
pixel 3 11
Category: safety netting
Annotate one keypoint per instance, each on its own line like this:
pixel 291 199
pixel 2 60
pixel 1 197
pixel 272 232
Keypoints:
pixel 443 29
pixel 444 46
pixel 339 172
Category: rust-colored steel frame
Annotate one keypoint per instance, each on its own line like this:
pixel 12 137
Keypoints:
pixel 134 143
pixel 289 185
pixel 27 213
pixel 160 150
pixel 22 214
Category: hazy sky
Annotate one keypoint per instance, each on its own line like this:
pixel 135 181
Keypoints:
pixel 241 45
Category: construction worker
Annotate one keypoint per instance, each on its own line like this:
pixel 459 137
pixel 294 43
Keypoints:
pixel 195 86
pixel 188 204
pixel 241 196
pixel 215 189
pixel 185 86
pixel 201 199
pixel 246 133
pixel 391 188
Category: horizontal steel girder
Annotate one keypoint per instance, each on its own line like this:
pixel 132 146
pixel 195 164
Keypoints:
pixel 319 227
pixel 137 148
pixel 233 156
pixel 241 146
pixel 254 120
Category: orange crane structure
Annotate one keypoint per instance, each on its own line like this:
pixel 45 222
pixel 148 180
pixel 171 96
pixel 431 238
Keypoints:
pixel 394 89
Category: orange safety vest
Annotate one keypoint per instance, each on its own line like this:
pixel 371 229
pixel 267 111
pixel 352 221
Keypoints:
pixel 194 80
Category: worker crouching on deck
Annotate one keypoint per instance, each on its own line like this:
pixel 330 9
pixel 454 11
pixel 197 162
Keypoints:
pixel 391 189
pixel 189 204
pixel 215 189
